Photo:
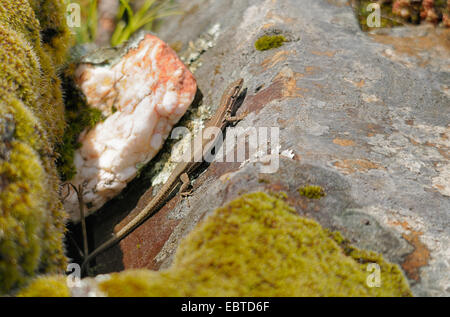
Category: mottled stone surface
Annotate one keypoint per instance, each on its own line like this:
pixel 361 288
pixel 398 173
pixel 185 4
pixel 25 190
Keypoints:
pixel 361 117
pixel 142 95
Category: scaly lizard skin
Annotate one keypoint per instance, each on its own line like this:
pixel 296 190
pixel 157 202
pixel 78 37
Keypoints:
pixel 223 116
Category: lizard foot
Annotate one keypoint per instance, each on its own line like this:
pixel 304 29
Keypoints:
pixel 237 117
pixel 187 193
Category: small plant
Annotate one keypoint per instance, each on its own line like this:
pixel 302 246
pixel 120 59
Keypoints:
pixel 87 31
pixel 130 21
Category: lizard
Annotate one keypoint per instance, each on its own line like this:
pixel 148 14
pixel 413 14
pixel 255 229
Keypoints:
pixel 180 175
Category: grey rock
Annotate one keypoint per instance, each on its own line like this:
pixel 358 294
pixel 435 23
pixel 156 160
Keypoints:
pixel 364 121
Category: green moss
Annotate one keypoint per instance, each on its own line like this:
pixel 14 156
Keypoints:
pixel 47 286
pixel 78 117
pixel 143 283
pixel 25 35
pixel 31 121
pixel 56 36
pixel 312 192
pixel 268 42
pixel 258 246
pixel 21 213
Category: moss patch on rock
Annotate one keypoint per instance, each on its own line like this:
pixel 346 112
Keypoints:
pixel 47 286
pixel 78 116
pixel 31 122
pixel 258 246
pixel 312 192
pixel 268 42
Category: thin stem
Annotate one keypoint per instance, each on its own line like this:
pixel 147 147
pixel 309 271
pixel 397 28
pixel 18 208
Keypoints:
pixel 79 192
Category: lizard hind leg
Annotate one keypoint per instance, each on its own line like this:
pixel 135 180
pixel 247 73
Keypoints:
pixel 186 184
pixel 236 118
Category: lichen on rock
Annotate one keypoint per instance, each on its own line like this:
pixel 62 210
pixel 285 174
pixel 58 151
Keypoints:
pixel 31 123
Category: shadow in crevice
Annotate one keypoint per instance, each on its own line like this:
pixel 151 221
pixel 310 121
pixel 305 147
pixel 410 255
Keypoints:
pixel 102 223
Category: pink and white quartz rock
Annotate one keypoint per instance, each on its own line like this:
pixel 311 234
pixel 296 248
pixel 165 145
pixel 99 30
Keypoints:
pixel 143 93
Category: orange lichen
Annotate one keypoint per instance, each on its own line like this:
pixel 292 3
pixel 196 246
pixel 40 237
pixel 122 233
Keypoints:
pixel 419 257
pixel 343 142
pixel 279 57
pixel 351 166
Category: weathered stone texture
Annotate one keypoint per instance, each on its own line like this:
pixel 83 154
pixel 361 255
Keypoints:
pixel 364 120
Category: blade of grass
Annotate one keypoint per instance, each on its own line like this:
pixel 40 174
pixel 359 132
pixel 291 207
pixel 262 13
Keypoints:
pixel 144 9
pixel 126 5
pixel 144 17
pixel 116 37
pixel 92 20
